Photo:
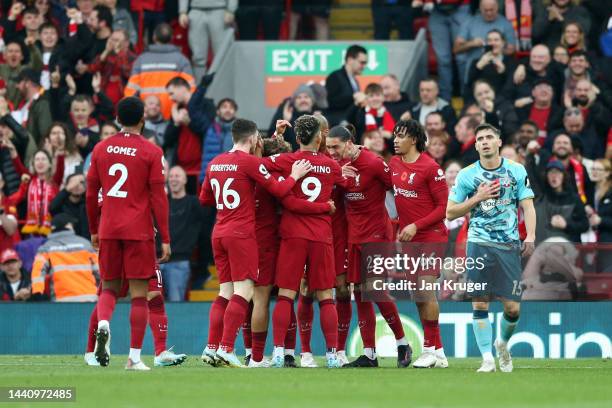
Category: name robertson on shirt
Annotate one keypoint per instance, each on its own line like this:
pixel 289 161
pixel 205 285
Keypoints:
pixel 223 167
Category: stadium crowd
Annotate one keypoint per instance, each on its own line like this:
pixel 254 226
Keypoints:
pixel 536 69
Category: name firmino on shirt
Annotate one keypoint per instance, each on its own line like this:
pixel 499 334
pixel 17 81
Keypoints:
pixel 223 167
pixel 321 169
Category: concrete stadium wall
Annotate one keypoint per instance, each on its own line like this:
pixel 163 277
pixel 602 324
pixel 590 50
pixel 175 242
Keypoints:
pixel 546 329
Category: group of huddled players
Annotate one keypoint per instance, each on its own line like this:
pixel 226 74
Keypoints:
pixel 298 221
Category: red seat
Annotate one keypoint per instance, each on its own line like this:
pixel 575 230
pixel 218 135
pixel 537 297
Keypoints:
pixel 599 285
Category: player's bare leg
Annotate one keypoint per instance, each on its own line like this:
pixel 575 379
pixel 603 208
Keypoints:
pixel 259 324
pixel 483 331
pixel 305 315
pixel 281 320
pixel 105 308
pixel 329 325
pixel 139 317
pixel 508 323
pixel 429 313
pixel 158 322
pixel 215 323
pixel 235 314
pixel 344 310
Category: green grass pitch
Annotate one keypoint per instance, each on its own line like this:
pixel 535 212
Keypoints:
pixel 534 383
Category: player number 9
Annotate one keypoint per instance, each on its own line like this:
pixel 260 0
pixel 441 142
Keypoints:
pixel 226 193
pixel 311 187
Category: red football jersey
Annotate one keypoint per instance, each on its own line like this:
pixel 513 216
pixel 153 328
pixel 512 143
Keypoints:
pixel 339 223
pixel 368 220
pixel 130 171
pixel 315 187
pixel 421 195
pixel 230 185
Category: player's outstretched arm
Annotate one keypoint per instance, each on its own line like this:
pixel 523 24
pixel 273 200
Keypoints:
pixel 260 174
pixel 530 224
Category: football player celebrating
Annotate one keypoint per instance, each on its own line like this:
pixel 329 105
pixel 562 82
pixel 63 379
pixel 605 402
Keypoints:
pixel 491 190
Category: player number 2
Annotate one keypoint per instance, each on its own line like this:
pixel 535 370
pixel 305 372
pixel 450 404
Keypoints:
pixel 115 190
pixel 226 193
pixel 311 187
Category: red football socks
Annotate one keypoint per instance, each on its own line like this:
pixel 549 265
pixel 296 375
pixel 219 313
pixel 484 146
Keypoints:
pixel 139 316
pixel 329 323
pixel 91 330
pixel 215 325
pixel 431 331
pixel 389 311
pixel 246 328
pixel 235 313
pixel 343 307
pixel 158 322
pixel 367 321
pixel 281 320
pixel 106 304
pixel 291 331
pixel 259 344
pixel 305 314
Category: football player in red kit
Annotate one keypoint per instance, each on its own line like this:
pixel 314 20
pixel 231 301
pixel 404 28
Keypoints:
pixel 230 185
pixel 130 172
pixel 307 240
pixel 368 221
pixel 421 194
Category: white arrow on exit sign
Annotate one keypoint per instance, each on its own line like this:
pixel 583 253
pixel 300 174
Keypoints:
pixel 372 62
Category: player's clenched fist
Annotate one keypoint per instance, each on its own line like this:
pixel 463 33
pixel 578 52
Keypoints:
pixel 300 168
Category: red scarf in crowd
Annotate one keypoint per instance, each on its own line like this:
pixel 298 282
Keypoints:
pixel 522 27
pixel 40 194
pixel 579 176
pixel 372 117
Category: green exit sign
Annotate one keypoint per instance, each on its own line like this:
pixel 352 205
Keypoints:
pixel 319 59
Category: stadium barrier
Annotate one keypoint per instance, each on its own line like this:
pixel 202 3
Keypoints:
pixel 546 329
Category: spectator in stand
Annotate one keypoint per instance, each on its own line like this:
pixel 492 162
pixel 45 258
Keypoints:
pixel 71 200
pixel 600 215
pixel 114 65
pixel 31 21
pixel 498 112
pixel 520 14
pixel 251 14
pixel 8 215
pixel 509 152
pixel 435 124
pixel 541 109
pixel 14 53
pixel 578 68
pixel 154 121
pixel 550 16
pixel 302 102
pixel 561 55
pixel 493 66
pixel 34 114
pixel 86 7
pixel 43 188
pixel 11 131
pixel 470 40
pixel 396 101
pixel 573 38
pixel 527 133
pixel 429 101
pixel 444 25
pixel 52 53
pixel 373 116
pixel 185 222
pixel 437 147
pixel 14 280
pixel 122 20
pixel 155 12
pixel 185 132
pixel 523 79
pixel 574 126
pixel 107 129
pixel 69 261
pixel 388 14
pixel 61 140
pixel 218 137
pixel 466 138
pixel 319 11
pixel 472 110
pixel 560 211
pixel 374 141
pixel 207 21
pixel 342 86
pixel 44 9
pixel 155 67
pixel 596 114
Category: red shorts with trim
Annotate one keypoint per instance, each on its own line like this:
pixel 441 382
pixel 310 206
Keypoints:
pixel 268 254
pixel 155 284
pixel 295 254
pixel 127 259
pixel 340 255
pixel 431 255
pixel 236 259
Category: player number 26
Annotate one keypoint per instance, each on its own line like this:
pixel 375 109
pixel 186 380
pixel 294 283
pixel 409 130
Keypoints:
pixel 223 196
